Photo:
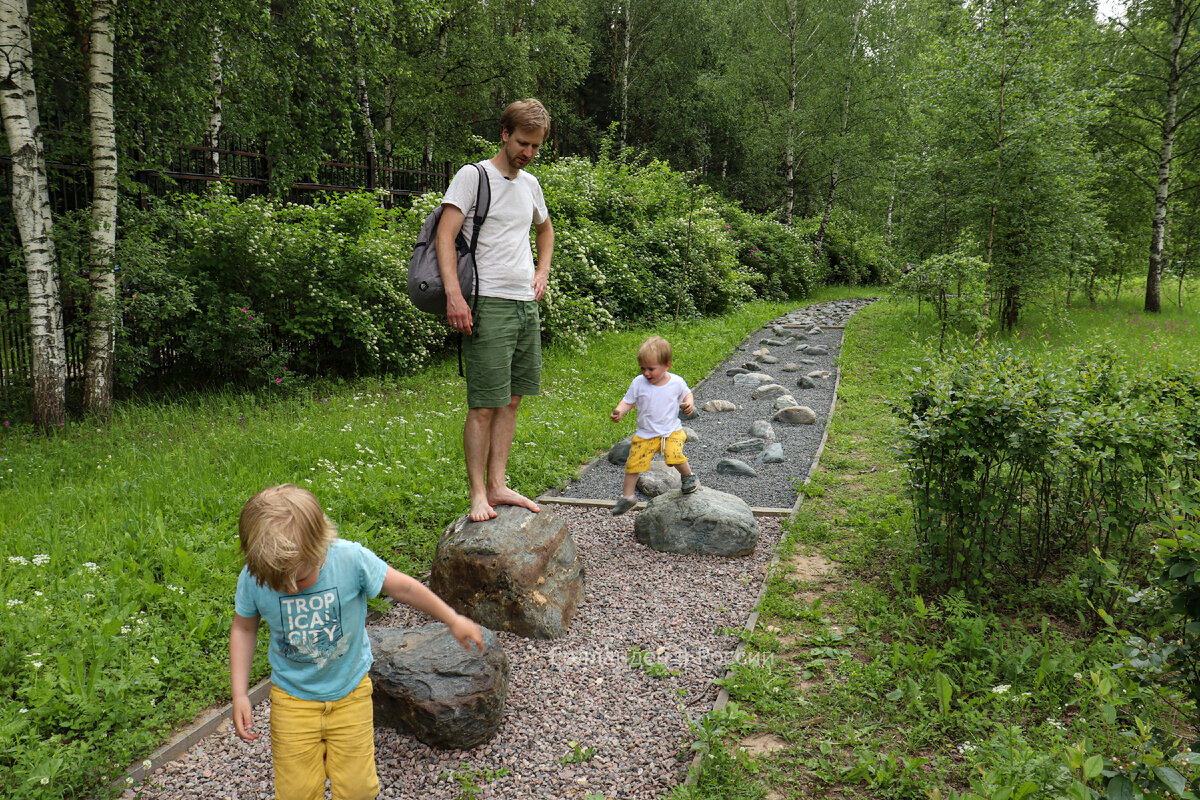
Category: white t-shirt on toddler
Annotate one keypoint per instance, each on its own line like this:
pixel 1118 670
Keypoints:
pixel 657 406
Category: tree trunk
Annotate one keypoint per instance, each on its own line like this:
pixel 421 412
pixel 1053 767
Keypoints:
pixel 837 159
pixel 1162 192
pixel 991 237
pixel 98 371
pixel 31 208
pixel 789 158
pixel 626 57
pixel 216 76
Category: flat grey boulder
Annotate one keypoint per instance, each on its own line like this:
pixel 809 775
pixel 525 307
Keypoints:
pixel 817 350
pixel 734 466
pixel 820 373
pixel 795 415
pixel 761 429
pixel 519 572
pixel 705 522
pixel 428 685
pixel 785 401
pixel 691 435
pixel 683 415
pixel 751 366
pixel 774 342
pixel 619 453
pixel 752 379
pixel 772 455
pixel 768 359
pixel 659 479
pixel 746 446
pixel 768 391
pixel 791 366
pixel 719 405
pixel 736 371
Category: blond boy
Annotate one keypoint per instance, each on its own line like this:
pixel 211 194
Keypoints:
pixel 312 588
pixel 657 394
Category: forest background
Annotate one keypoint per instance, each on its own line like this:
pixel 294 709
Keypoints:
pixel 1046 145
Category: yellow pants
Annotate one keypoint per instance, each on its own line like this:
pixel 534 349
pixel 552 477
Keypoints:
pixel 313 740
pixel 642 450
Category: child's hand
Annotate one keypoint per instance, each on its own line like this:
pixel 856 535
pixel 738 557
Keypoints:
pixel 616 415
pixel 466 630
pixel 243 719
pixel 687 405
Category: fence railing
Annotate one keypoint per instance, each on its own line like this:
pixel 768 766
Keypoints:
pixel 244 170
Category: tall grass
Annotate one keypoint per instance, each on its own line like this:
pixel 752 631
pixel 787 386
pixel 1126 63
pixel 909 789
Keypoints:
pixel 118 542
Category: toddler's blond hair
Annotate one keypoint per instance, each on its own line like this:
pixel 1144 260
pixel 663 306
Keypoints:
pixel 284 534
pixel 655 350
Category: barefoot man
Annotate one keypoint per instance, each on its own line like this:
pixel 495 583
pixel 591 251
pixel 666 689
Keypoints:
pixel 502 345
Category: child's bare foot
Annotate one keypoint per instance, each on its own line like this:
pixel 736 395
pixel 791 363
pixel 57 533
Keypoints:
pixel 481 510
pixel 507 497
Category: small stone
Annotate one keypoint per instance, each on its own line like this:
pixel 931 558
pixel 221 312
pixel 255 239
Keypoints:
pixel 733 466
pixel 719 405
pixel 817 350
pixel 814 330
pixel 768 391
pixel 772 343
pixel 746 446
pixel 819 373
pixel 752 379
pixel 768 359
pixel 619 453
pixel 802 348
pixel 785 401
pixel 791 366
pixel 659 479
pixel 691 435
pixel 772 455
pixel 761 429
pixel 760 352
pixel 736 371
pixel 795 415
pixel 751 366
pixel 683 415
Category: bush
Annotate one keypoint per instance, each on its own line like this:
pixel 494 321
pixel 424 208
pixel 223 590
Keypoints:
pixel 1016 464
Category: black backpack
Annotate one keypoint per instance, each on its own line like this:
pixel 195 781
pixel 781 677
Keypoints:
pixel 425 287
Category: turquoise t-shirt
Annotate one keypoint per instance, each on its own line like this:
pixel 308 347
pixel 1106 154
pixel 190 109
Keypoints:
pixel 319 648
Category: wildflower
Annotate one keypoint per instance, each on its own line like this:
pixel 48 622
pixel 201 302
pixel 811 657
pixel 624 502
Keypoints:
pixel 13 603
pixel 45 780
pixel 154 659
pixel 1002 688
pixel 279 380
pixel 40 559
pixel 37 664
pixel 18 560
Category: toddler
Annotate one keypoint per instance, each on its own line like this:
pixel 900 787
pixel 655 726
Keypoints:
pixel 312 588
pixel 658 395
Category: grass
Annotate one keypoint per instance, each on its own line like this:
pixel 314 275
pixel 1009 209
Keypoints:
pixel 119 542
pixel 875 690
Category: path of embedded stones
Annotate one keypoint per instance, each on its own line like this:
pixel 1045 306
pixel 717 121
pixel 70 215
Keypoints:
pixel 579 691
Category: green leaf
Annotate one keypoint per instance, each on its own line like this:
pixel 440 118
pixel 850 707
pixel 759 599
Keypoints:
pixel 1173 780
pixel 895 694
pixel 1092 767
pixel 1120 788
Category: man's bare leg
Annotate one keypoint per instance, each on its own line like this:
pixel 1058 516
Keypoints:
pixel 477 439
pixel 504 425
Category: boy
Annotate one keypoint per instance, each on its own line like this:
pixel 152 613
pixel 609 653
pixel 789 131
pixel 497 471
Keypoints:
pixel 658 395
pixel 313 587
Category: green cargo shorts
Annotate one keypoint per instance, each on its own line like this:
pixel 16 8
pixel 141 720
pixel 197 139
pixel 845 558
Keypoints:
pixel 503 356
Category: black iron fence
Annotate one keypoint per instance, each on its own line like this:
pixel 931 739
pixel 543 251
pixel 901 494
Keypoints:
pixel 238 165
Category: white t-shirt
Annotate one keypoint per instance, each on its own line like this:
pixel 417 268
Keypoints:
pixel 657 406
pixel 503 257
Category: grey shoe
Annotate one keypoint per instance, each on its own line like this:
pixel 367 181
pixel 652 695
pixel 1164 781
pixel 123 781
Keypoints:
pixel 623 505
pixel 688 484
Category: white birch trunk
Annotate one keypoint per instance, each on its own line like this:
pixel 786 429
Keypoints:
pixel 835 173
pixel 626 58
pixel 31 207
pixel 216 111
pixel 789 157
pixel 1162 190
pixel 98 370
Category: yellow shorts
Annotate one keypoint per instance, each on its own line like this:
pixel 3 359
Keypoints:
pixel 313 740
pixel 642 450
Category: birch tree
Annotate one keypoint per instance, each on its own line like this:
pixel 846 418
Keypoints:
pixel 98 371
pixel 31 207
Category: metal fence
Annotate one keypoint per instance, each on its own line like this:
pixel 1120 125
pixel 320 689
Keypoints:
pixel 242 168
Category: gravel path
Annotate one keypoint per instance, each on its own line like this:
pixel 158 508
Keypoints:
pixel 579 689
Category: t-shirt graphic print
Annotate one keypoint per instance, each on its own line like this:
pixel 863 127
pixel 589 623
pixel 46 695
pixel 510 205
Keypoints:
pixel 311 629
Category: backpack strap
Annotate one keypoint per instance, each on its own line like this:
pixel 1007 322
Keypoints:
pixel 483 204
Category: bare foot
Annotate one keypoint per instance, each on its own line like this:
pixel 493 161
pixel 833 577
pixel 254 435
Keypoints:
pixel 481 510
pixel 507 497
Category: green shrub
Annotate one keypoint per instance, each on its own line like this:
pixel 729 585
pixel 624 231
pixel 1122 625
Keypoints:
pixel 1016 464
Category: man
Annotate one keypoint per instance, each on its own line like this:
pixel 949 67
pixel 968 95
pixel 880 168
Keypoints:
pixel 502 346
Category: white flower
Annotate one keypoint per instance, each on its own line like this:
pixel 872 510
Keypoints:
pixel 44 781
pixel 91 565
pixel 154 659
pixel 147 764
pixel 37 665
pixel 1053 723
pixel 1002 688
pixel 14 602
pixel 18 560
pixel 89 596
pixel 40 559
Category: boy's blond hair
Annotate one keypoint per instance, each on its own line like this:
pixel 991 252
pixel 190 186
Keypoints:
pixel 284 534
pixel 655 350
pixel 527 114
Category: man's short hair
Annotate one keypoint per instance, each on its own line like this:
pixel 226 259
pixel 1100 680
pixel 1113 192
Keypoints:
pixel 528 113
pixel 655 350
pixel 284 534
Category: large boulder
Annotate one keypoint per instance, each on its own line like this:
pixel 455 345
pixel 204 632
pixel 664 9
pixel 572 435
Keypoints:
pixel 705 522
pixel 428 685
pixel 619 453
pixel 519 572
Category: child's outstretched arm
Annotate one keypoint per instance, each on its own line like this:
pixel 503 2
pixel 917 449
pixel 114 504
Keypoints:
pixel 621 410
pixel 688 403
pixel 410 591
pixel 243 637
